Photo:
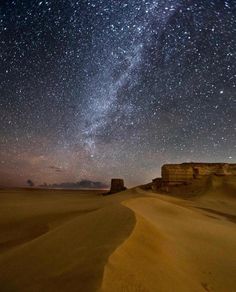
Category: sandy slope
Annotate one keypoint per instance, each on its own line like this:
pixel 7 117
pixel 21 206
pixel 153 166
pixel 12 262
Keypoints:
pixel 59 242
pixel 176 246
pixel 133 241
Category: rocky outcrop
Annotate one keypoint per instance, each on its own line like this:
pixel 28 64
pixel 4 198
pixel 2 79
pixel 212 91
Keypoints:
pixel 117 185
pixel 176 172
pixel 186 173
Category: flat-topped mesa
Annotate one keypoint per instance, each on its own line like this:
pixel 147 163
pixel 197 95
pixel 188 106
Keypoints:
pixel 177 174
pixel 117 185
pixel 188 171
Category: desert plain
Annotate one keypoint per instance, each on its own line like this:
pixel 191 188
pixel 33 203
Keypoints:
pixel 136 240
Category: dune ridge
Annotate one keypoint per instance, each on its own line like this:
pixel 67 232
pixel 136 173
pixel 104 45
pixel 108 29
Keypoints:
pixel 69 256
pixel 136 240
pixel 176 245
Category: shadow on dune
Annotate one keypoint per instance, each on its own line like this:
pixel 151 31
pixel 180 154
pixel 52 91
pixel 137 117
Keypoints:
pixel 70 257
pixel 25 230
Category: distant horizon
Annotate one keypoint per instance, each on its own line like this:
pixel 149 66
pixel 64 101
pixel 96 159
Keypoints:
pixel 63 185
pixel 57 185
pixel 42 188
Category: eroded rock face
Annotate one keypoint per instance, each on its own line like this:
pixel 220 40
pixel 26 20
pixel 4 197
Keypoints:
pixel 176 172
pixel 117 185
pixel 187 173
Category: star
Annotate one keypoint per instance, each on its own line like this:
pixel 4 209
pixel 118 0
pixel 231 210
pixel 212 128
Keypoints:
pixel 104 89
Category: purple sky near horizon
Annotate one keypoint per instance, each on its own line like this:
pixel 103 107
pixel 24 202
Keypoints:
pixel 97 89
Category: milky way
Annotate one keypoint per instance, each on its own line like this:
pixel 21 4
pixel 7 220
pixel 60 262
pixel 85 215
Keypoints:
pixel 100 89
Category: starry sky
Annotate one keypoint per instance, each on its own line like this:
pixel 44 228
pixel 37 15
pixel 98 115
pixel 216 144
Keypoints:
pixel 95 89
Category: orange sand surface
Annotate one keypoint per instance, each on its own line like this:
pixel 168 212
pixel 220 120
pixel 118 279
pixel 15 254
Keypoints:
pixel 136 240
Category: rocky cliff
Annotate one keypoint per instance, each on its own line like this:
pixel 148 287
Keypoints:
pixel 188 171
pixel 185 173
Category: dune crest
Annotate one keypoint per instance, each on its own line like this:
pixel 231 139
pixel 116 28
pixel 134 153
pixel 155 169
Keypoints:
pixel 136 240
pixel 72 254
pixel 177 246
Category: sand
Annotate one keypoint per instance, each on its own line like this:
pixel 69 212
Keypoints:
pixel 133 241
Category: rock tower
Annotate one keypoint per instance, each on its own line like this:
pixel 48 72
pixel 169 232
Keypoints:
pixel 117 185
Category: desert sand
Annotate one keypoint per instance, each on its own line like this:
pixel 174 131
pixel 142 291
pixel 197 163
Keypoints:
pixel 136 240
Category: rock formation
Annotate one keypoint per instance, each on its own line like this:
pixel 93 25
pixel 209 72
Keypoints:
pixel 186 173
pixel 117 185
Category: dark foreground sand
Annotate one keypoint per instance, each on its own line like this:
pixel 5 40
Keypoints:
pixel 133 241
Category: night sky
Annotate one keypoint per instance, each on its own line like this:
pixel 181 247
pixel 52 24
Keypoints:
pixel 95 89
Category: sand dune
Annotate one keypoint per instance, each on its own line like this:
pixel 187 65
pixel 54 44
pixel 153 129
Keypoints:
pixel 133 241
pixel 177 245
